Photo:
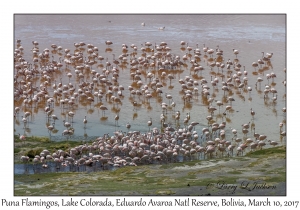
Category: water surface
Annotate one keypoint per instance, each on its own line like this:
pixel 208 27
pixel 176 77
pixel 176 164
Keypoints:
pixel 250 34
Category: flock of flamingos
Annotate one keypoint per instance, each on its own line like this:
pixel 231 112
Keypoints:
pixel 152 67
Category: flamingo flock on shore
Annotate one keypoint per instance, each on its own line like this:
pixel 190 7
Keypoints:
pixel 173 140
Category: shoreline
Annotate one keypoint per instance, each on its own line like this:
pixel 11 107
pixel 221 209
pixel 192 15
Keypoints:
pixel 184 178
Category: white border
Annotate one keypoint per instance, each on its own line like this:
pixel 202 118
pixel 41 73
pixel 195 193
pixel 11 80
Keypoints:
pixel 153 6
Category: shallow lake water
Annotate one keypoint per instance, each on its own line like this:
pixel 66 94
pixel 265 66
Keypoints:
pixel 52 167
pixel 249 34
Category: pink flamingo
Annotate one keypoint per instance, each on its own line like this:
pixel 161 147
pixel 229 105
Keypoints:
pixel 22 138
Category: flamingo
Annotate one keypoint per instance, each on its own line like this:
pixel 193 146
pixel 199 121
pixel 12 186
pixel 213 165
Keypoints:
pixel 26 114
pixel 84 121
pixel 241 148
pixel 169 96
pixel 50 129
pixel 284 110
pixel 249 141
pixel 274 99
pixel 128 126
pixel 88 89
pixel 116 119
pixel 54 117
pixel 260 143
pixel 230 98
pixel 236 52
pixel 219 103
pixel 283 133
pixel 259 80
pixel 230 149
pixel 66 124
pixel 182 43
pixel 170 76
pixel 24 121
pixel 150 123
pixel 25 160
pixel 17 109
pixel 22 138
pixel 234 131
pixel 280 125
pixel 252 113
pixel 249 90
pixel 108 42
pixel 68 133
pixel 254 65
pixel 273 143
pixel 103 108
pixel 71 115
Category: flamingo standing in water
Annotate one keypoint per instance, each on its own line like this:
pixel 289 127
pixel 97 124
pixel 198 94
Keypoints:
pixel 54 117
pixel 25 160
pixel 71 115
pixel 103 108
pixel 128 126
pixel 273 143
pixel 150 123
pixel 84 121
pixel 252 113
pixel 50 129
pixel 17 109
pixel 236 52
pixel 24 121
pixel 116 120
pixel 108 43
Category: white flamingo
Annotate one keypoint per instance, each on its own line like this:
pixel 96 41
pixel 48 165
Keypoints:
pixel 22 138
pixel 84 121
pixel 149 123
pixel 236 52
